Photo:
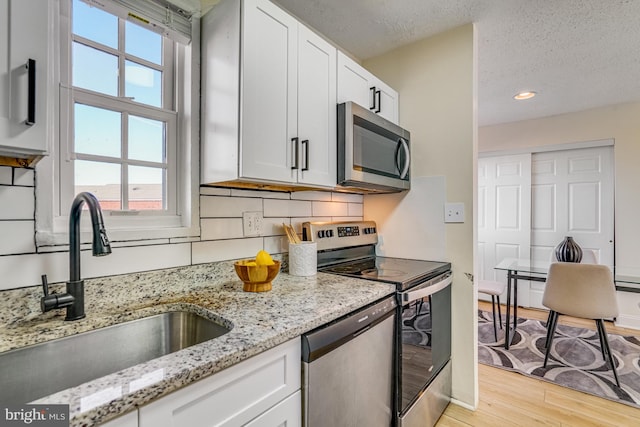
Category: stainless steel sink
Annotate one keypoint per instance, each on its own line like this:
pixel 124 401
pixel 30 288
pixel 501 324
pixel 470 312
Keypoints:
pixel 39 370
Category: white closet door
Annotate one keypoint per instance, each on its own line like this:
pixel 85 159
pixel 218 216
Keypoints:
pixel 572 195
pixel 504 215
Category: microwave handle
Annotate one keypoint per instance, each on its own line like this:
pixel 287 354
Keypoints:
pixel 405 169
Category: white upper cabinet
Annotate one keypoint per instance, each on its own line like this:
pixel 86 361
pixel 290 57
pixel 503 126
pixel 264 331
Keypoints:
pixel 269 103
pixel 23 90
pixel 360 86
pixel 316 109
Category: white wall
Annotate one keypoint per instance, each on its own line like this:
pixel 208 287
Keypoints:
pixel 618 122
pixel 21 263
pixel 436 82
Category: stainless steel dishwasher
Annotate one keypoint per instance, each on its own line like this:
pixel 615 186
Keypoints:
pixel 348 370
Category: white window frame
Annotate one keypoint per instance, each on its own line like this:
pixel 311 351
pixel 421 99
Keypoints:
pixel 52 214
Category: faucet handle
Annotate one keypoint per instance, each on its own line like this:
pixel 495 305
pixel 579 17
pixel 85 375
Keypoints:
pixel 52 301
pixel 45 285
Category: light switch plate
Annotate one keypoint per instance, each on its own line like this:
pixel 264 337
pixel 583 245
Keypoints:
pixel 454 212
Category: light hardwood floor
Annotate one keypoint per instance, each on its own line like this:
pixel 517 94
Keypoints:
pixel 511 399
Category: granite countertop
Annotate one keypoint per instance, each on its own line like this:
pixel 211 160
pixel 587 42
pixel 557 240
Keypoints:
pixel 260 321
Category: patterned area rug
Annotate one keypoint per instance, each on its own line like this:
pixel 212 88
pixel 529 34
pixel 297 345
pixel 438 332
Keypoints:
pixel 575 360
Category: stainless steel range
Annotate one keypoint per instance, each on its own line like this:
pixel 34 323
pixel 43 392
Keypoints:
pixel 423 317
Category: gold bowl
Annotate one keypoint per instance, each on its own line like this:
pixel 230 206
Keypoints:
pixel 256 278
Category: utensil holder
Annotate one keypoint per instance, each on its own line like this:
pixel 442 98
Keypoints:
pixel 303 259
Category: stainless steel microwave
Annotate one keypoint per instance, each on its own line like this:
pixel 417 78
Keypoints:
pixel 374 155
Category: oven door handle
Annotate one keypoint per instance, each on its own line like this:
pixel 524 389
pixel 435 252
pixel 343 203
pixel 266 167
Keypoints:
pixel 416 294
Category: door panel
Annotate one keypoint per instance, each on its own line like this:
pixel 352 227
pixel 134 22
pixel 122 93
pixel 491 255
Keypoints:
pixel 317 112
pixel 572 195
pixel 269 84
pixel 504 214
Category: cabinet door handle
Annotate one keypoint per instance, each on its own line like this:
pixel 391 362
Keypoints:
pixel 379 101
pixel 31 96
pixel 305 143
pixel 373 97
pixel 295 147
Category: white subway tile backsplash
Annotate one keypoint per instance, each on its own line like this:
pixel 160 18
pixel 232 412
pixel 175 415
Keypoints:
pixel 347 197
pixel 17 237
pixel 6 175
pixel 135 243
pixel 273 226
pixel 221 250
pixel 311 195
pixel 260 194
pixel 288 208
pixel 329 209
pixel 346 218
pixel 297 222
pixel 221 228
pixel 228 207
pixel 134 259
pixel 355 209
pixel 276 244
pixel 184 239
pixel 17 202
pixel 19 271
pixel 215 191
pixel 24 177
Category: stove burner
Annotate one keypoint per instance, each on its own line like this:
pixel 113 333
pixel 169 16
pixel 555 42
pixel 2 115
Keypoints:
pixel 382 273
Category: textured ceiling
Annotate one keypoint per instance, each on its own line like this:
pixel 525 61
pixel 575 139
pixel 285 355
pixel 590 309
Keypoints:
pixel 577 54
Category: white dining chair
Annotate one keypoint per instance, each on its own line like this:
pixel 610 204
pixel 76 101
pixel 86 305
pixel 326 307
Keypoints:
pixel 581 290
pixel 494 289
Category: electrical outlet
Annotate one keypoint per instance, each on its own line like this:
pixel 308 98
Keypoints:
pixel 252 223
pixel 454 212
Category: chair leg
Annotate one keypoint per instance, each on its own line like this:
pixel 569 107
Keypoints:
pixel 603 337
pixel 550 331
pixel 553 317
pixel 493 309
pixel 499 312
pixel 603 347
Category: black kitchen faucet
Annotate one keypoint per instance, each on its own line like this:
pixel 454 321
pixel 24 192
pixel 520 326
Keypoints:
pixel 73 299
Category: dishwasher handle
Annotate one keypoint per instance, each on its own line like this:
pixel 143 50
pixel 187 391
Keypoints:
pixel 321 341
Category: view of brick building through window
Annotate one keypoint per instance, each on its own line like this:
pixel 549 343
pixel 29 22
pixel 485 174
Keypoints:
pixel 141 196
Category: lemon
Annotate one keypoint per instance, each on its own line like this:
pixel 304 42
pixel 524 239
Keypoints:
pixel 264 258
pixel 251 263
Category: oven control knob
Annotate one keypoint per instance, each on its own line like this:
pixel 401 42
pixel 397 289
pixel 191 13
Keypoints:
pixel 329 233
pixel 320 234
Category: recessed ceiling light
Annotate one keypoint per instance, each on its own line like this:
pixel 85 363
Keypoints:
pixel 524 95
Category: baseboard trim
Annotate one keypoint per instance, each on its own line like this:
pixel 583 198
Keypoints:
pixel 628 321
pixel 463 404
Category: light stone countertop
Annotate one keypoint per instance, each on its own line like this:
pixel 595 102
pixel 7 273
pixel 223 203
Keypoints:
pixel 260 321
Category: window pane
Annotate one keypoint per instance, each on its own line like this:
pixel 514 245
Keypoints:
pixel 142 83
pixel 101 179
pixel 95 24
pixel 146 139
pixel 143 43
pixel 146 188
pixel 95 70
pixel 97 131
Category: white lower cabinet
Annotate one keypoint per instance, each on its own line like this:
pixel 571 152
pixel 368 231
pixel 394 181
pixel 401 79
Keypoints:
pixel 287 413
pixel 126 420
pixel 260 391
